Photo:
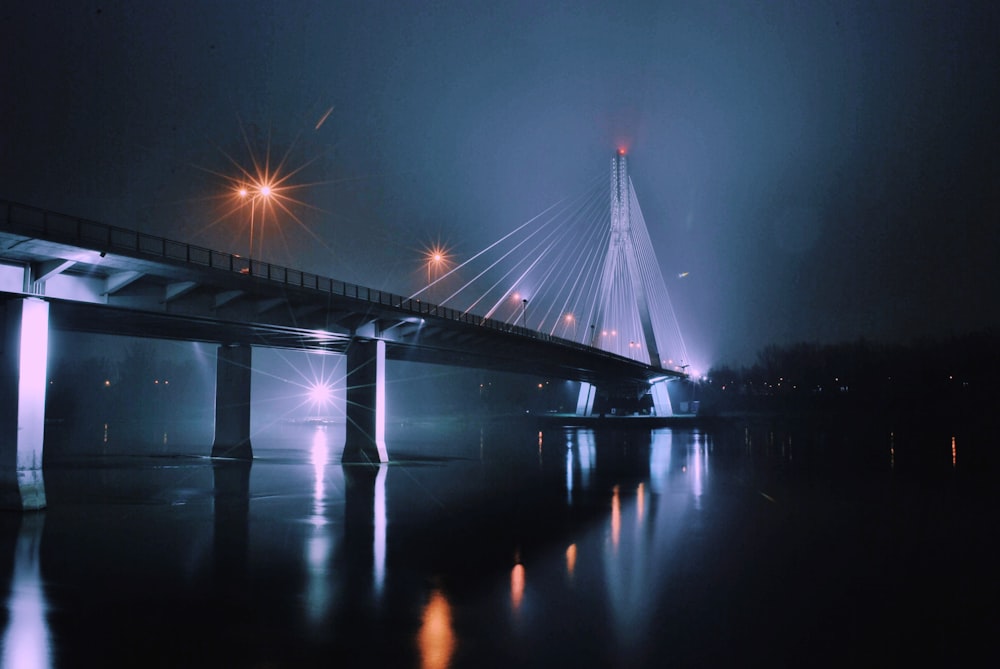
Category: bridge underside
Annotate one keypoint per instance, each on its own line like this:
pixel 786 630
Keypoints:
pixel 428 340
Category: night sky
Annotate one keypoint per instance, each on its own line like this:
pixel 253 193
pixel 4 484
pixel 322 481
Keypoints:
pixel 822 170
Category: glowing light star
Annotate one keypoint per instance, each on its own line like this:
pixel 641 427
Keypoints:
pixel 438 260
pixel 320 394
pixel 262 192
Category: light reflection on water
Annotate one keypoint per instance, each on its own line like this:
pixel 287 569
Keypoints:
pixel 436 639
pixel 415 567
pixel 571 561
pixel 319 544
pixel 26 641
pixel 381 523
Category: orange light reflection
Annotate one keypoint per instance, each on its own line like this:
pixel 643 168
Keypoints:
pixel 616 517
pixel 640 502
pixel 436 638
pixel 517 586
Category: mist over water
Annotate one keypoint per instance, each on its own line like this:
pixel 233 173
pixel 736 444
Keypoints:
pixel 498 544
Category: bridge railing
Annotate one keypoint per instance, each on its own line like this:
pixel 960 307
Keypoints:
pixel 109 238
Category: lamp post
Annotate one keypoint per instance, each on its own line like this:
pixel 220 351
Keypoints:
pixel 524 314
pixel 262 191
pixel 244 194
pixel 570 319
pixel 438 261
pixel 434 260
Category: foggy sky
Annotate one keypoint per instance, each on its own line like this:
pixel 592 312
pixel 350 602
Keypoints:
pixel 823 171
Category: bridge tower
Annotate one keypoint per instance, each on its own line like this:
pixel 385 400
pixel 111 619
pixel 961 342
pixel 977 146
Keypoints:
pixel 621 275
pixel 623 323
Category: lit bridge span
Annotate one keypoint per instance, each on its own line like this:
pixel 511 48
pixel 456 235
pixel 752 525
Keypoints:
pixel 75 275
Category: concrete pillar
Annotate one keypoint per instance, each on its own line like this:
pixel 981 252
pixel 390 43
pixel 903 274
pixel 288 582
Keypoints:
pixel 585 401
pixel 661 399
pixel 24 352
pixel 366 402
pixel 232 404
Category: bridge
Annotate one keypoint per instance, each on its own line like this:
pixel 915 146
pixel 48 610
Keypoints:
pixel 70 274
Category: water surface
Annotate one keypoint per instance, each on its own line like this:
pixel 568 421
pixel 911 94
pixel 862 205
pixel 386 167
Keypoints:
pixel 503 545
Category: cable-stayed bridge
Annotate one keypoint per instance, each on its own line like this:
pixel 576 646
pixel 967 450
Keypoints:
pixel 584 270
pixel 542 281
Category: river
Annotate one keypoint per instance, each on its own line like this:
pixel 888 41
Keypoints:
pixel 508 545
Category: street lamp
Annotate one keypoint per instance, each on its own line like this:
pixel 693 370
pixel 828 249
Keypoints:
pixel 569 319
pixel 524 314
pixel 244 194
pixel 262 191
pixel 436 259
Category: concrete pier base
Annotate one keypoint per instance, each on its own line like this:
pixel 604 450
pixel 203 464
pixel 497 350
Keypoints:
pixel 585 401
pixel 232 403
pixel 366 403
pixel 24 353
pixel 661 399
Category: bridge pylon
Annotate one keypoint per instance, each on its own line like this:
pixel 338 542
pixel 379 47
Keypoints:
pixel 622 296
pixel 623 322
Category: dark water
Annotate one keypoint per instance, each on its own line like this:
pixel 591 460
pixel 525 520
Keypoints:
pixel 509 546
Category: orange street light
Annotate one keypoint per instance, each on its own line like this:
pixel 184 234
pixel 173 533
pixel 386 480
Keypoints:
pixel 437 259
pixel 569 318
pixel 260 190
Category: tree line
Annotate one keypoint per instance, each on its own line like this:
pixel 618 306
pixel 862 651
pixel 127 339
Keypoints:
pixel 957 374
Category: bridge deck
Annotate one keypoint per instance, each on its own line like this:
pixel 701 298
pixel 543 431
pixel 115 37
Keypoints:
pixel 106 279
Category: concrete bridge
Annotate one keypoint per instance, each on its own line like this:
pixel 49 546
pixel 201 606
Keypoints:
pixel 70 274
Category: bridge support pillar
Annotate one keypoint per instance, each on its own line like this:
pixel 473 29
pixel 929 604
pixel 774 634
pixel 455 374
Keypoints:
pixel 24 353
pixel 232 403
pixel 365 402
pixel 585 401
pixel 661 399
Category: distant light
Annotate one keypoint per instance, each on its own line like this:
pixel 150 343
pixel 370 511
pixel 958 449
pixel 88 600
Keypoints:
pixel 621 151
pixel 244 192
pixel 265 190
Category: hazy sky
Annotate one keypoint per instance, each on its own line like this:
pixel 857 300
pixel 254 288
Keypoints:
pixel 823 170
